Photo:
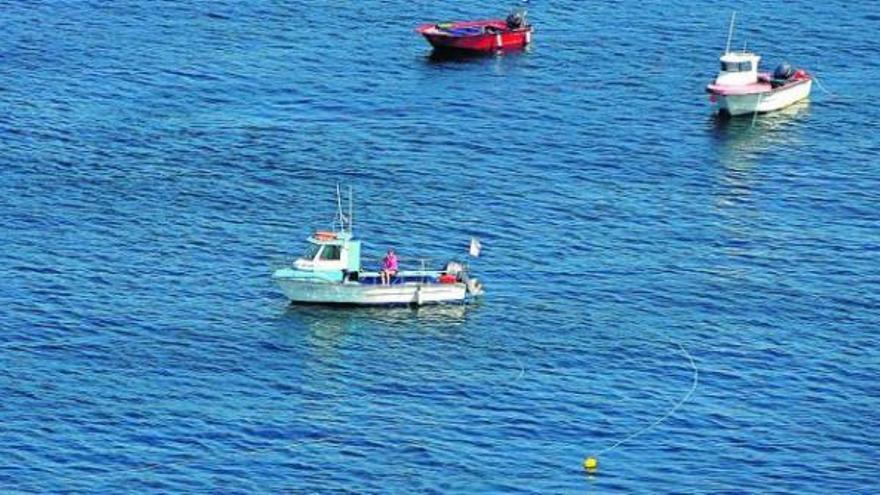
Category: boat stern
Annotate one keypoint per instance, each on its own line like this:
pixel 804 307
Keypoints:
pixel 474 288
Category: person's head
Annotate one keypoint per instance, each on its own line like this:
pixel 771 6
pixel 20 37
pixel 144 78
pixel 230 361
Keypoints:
pixel 390 251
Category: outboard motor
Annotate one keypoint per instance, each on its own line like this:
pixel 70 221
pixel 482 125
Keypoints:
pixel 516 19
pixel 783 71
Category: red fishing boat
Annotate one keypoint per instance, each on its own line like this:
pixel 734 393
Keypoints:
pixel 479 36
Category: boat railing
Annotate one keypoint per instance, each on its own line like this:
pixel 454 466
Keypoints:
pixel 372 264
pixel 404 264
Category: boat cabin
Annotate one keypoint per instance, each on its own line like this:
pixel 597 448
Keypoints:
pixel 738 69
pixel 336 257
pixel 330 255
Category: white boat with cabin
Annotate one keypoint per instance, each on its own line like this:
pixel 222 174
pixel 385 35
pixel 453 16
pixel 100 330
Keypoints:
pixel 330 271
pixel 739 89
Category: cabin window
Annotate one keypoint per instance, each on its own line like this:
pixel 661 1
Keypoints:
pixel 331 253
pixel 736 66
pixel 311 251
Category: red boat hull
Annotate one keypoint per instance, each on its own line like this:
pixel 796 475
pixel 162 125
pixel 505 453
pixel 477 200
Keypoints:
pixel 476 36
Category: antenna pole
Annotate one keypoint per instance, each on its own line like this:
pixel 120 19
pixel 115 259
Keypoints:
pixel 350 210
pixel 730 33
pixel 339 208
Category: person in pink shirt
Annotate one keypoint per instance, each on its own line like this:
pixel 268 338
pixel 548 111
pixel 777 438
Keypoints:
pixel 389 267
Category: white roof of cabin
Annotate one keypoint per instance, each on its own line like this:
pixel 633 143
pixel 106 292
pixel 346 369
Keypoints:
pixel 739 57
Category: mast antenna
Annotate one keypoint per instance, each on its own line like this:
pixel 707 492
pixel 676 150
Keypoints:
pixel 339 213
pixel 350 210
pixel 730 32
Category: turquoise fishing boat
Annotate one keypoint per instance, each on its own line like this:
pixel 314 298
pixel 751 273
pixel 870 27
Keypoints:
pixel 330 271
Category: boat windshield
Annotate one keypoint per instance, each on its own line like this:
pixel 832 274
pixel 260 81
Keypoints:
pixel 311 251
pixel 331 252
pixel 736 66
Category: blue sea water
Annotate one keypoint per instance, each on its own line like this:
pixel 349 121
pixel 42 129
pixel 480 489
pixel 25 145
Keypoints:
pixel 157 155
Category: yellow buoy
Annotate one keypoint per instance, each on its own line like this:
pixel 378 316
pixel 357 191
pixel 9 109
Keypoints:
pixel 590 463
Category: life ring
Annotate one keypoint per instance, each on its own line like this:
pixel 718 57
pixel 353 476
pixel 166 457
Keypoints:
pixel 322 235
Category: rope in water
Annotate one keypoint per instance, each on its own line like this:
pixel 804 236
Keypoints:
pixel 819 83
pixel 668 413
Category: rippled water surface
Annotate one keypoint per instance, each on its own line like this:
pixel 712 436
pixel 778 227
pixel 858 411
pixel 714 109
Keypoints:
pixel 157 155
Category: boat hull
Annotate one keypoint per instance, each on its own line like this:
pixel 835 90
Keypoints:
pixel 500 38
pixel 762 102
pixel 352 293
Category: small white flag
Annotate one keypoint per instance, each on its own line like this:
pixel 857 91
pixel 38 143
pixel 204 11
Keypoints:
pixel 475 247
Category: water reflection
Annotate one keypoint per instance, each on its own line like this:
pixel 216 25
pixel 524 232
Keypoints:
pixel 331 323
pixel 749 134
pixel 451 56
pixel 740 142
pixel 466 56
